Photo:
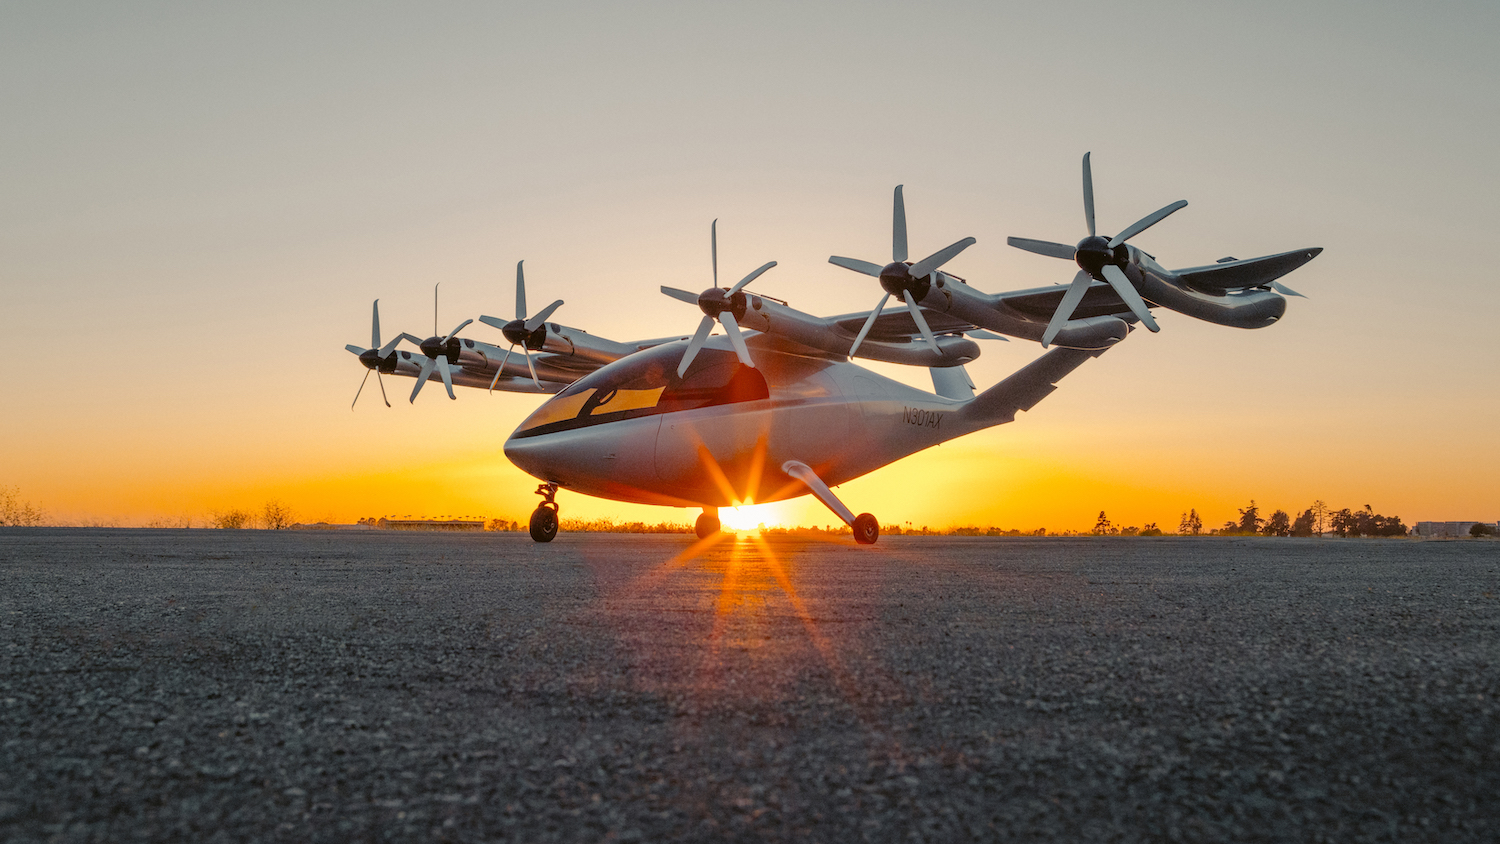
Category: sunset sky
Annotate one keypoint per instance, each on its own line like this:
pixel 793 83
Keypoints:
pixel 198 203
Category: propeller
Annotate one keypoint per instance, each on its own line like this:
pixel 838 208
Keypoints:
pixel 376 356
pixel 1098 258
pixel 522 331
pixel 901 277
pixel 718 305
pixel 436 350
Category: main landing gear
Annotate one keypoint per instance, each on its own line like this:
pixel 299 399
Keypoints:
pixel 866 529
pixel 708 523
pixel 544 517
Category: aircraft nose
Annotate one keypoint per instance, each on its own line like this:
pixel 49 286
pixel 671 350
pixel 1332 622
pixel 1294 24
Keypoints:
pixel 536 456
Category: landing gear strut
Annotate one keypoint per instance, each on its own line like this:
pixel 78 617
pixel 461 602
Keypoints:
pixel 544 517
pixel 708 523
pixel 866 529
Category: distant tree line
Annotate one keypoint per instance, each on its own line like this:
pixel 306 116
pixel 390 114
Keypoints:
pixel 272 516
pixel 1103 527
pixel 16 511
pixel 1314 521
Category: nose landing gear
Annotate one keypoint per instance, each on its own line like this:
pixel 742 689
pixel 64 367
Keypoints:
pixel 544 517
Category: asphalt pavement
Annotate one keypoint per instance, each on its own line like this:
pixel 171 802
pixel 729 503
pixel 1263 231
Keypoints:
pixel 232 685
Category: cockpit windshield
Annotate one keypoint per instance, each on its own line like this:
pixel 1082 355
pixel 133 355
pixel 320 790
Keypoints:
pixel 646 384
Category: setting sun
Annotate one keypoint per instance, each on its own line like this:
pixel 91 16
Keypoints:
pixel 749 517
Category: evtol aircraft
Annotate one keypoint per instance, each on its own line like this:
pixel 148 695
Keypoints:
pixel 773 408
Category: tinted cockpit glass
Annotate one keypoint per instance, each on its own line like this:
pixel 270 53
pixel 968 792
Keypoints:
pixel 646 384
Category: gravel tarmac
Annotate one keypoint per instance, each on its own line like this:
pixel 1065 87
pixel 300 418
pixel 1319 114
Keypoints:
pixel 232 685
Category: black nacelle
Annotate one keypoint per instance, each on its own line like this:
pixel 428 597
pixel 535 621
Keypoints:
pixel 1093 255
pixel 896 278
pixel 515 333
pixel 372 360
pixel 716 300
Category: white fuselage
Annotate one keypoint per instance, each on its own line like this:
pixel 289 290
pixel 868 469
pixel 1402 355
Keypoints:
pixel 631 432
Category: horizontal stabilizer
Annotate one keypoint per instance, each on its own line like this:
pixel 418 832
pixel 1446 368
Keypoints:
pixel 1250 272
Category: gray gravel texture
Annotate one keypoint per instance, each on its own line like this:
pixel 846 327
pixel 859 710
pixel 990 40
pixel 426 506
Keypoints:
pixel 227 685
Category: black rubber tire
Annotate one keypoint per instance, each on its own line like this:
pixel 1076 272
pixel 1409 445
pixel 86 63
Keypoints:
pixel 707 525
pixel 543 524
pixel 866 529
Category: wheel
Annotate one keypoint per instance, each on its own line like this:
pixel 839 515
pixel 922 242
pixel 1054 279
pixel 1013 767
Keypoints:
pixel 706 526
pixel 543 524
pixel 866 529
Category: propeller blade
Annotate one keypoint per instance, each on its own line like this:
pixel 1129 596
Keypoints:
pixel 415 341
pixel 1088 194
pixel 529 365
pixel 442 368
pixel 460 327
pixel 1147 222
pixel 981 334
pixel 713 235
pixel 360 390
pixel 751 277
pixel 926 266
pixel 536 322
pixel 869 323
pixel 501 370
pixel 1284 290
pixel 375 326
pixel 681 295
pixel 381 382
pixel 898 228
pixel 1042 247
pixel 855 264
pixel 704 326
pixel 434 307
pixel 355 350
pixel 1116 278
pixel 386 349
pixel 1065 308
pixel 520 291
pixel 916 314
pixel 736 339
pixel 422 377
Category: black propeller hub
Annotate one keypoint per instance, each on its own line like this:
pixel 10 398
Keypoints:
pixel 1093 253
pixel 515 332
pixel 896 278
pixel 372 360
pixel 716 300
pixel 435 346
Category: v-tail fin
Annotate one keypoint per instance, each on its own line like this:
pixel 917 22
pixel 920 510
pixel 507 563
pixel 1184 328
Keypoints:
pixel 1027 386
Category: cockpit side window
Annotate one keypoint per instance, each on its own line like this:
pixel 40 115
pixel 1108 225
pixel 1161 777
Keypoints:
pixel 646 384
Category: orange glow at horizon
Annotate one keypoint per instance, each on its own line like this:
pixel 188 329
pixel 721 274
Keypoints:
pixel 1018 477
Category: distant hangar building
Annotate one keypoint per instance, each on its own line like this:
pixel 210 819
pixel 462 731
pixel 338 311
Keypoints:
pixel 431 524
pixel 1450 530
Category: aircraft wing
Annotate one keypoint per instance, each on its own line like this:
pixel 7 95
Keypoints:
pixel 896 324
pixel 1231 274
pixel 1039 303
